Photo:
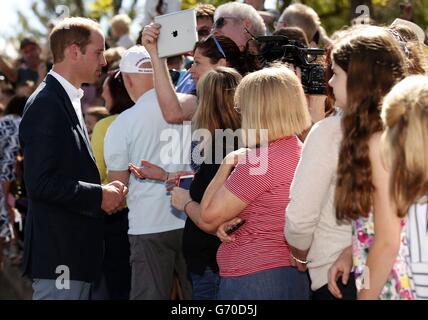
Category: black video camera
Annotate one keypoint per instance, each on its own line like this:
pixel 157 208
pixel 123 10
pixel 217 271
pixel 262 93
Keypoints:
pixel 280 48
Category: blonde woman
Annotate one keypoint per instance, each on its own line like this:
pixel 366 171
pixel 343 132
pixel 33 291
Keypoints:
pixel 405 116
pixel 254 186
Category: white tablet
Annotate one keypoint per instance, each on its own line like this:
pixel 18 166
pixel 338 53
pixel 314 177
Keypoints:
pixel 177 34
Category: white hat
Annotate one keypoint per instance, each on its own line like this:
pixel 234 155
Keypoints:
pixel 413 26
pixel 133 58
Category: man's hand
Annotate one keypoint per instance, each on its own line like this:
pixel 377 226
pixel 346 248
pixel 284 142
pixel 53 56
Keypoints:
pixel 114 195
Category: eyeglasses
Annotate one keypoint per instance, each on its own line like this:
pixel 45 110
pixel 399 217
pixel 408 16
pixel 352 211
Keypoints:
pixel 220 49
pixel 221 22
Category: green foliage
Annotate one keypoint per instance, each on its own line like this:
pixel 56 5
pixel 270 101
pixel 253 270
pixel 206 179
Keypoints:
pixel 186 4
pixel 334 13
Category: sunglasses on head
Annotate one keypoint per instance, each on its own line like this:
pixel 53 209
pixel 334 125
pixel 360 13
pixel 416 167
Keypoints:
pixel 220 22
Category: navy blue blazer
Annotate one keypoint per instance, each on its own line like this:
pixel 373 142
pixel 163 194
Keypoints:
pixel 64 225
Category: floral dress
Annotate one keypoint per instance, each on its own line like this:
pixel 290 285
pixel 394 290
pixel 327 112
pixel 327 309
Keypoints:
pixel 399 285
pixel 9 147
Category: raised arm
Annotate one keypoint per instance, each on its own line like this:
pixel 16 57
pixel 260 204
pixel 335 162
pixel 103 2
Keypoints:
pixel 175 108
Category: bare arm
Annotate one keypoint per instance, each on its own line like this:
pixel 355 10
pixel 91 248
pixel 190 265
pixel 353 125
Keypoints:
pixel 218 204
pixel 122 176
pixel 387 227
pixel 181 200
pixel 175 108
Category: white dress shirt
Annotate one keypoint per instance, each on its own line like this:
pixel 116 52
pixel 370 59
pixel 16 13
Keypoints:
pixel 75 95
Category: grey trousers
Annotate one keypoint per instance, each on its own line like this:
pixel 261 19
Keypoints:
pixel 46 289
pixel 154 258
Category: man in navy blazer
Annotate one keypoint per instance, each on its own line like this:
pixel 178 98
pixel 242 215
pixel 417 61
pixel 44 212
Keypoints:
pixel 63 246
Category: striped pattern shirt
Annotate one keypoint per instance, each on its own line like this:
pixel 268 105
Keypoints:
pixel 417 232
pixel 260 243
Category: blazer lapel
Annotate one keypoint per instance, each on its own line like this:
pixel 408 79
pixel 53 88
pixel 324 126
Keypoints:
pixel 71 112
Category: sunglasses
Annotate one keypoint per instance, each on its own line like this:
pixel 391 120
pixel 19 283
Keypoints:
pixel 220 22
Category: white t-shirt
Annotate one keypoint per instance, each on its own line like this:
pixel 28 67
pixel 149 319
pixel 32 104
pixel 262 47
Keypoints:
pixel 142 133
pixel 417 233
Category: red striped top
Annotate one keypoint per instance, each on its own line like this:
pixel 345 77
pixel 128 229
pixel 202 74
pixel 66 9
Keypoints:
pixel 260 243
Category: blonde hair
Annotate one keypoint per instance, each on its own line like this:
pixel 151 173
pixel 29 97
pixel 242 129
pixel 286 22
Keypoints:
pixel 205 10
pixel 121 23
pixel 216 105
pixel 98 112
pixel 272 99
pixel 405 116
pixel 75 30
pixel 113 56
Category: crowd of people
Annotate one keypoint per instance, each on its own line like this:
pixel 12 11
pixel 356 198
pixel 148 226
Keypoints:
pixel 294 195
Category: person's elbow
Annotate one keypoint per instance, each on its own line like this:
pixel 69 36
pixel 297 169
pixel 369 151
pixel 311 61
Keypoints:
pixel 209 220
pixel 174 117
pixel 296 236
pixel 389 246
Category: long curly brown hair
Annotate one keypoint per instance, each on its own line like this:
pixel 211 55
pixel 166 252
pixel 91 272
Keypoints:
pixel 373 62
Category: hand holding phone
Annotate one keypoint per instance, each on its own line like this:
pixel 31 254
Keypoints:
pixel 185 181
pixel 235 227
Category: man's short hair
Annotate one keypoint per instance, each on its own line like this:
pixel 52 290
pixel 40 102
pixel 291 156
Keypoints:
pixel 245 12
pixel 302 16
pixel 293 33
pixel 205 10
pixel 75 30
pixel 28 41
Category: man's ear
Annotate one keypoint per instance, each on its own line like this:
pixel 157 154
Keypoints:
pixel 247 24
pixel 72 52
pixel 127 80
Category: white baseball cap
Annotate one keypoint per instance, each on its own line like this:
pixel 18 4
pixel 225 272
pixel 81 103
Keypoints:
pixel 133 58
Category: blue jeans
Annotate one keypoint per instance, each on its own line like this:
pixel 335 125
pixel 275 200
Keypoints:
pixel 205 286
pixel 285 283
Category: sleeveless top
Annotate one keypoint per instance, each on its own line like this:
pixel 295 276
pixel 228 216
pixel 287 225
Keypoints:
pixel 399 285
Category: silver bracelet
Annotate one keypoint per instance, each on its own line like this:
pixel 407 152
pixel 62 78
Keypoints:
pixel 298 260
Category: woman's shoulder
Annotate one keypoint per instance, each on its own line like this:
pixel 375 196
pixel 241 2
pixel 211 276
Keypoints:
pixel 104 124
pixel 328 126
